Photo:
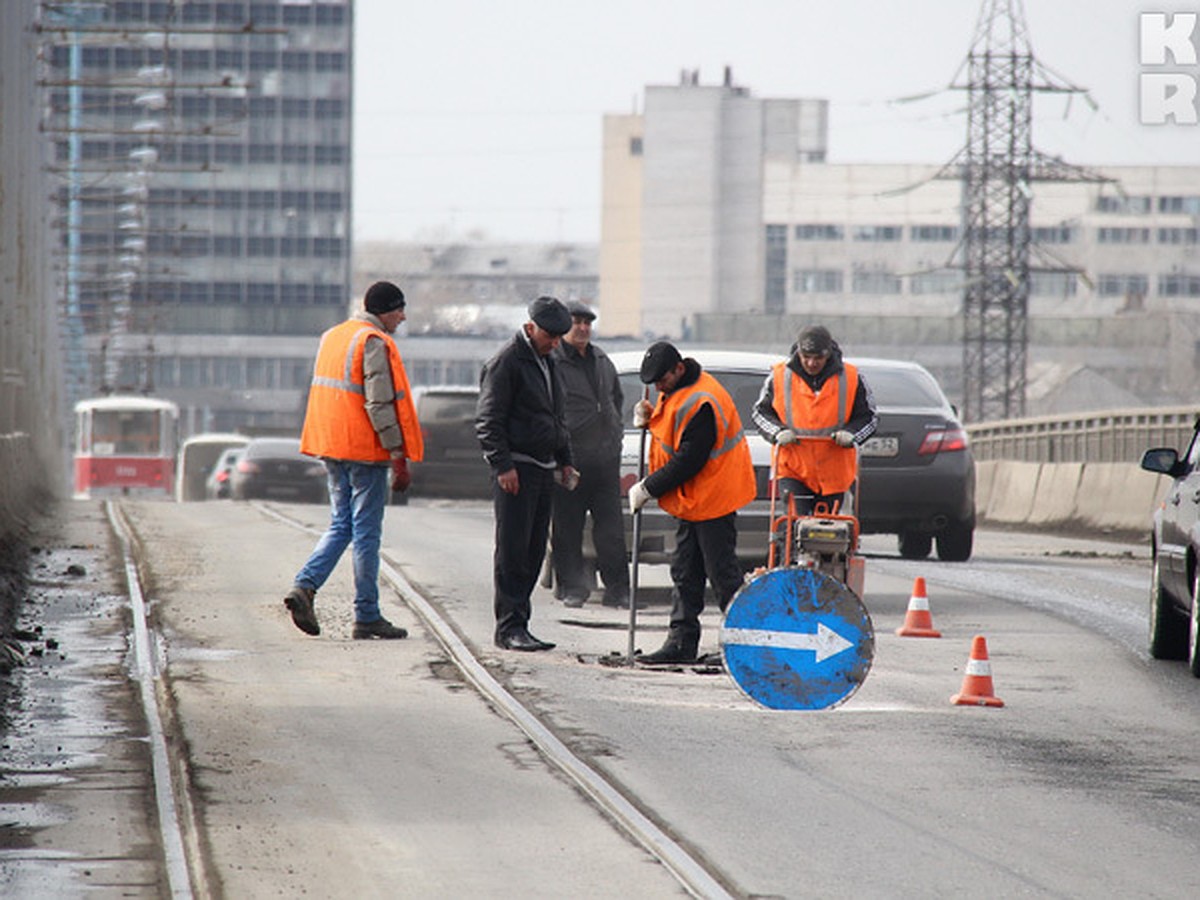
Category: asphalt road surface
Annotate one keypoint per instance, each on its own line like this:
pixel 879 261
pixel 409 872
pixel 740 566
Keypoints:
pixel 333 767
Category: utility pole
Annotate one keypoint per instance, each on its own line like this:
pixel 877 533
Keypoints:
pixel 997 168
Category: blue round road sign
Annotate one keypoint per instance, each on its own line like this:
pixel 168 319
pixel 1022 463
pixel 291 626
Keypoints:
pixel 796 639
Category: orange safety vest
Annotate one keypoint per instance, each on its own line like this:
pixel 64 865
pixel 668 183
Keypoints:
pixel 822 465
pixel 336 423
pixel 726 483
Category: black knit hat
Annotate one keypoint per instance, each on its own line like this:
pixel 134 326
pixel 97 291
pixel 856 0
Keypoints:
pixel 549 314
pixel 383 297
pixel 661 357
pixel 814 340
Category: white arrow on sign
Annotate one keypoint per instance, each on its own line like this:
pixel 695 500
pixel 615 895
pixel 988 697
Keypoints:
pixel 825 643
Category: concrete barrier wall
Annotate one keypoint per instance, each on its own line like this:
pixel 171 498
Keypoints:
pixel 22 484
pixel 1093 497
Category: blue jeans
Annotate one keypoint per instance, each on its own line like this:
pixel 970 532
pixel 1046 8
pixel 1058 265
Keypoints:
pixel 358 494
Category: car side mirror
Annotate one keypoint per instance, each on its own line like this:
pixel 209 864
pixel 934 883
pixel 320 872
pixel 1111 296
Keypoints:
pixel 1164 460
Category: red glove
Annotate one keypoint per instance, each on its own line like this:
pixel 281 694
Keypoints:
pixel 400 477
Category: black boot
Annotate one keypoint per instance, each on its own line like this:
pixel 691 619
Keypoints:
pixel 675 650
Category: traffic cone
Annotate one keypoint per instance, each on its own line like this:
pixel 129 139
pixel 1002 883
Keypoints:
pixel 917 621
pixel 977 681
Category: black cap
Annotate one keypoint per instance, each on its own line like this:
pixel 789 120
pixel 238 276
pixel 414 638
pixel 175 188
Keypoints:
pixel 581 309
pixel 383 297
pixel 815 340
pixel 661 357
pixel 549 314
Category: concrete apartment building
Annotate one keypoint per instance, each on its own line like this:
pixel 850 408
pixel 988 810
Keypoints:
pixel 210 147
pixel 723 221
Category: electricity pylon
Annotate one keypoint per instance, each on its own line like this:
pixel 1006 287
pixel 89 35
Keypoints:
pixel 997 168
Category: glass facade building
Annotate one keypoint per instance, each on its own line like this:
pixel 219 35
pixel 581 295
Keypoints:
pixel 204 158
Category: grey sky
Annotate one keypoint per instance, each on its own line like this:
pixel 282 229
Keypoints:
pixel 485 116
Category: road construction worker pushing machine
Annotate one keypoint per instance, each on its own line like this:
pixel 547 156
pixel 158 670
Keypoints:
pixel 796 636
pixel 815 409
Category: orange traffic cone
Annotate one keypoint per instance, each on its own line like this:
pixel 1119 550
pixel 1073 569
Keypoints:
pixel 917 621
pixel 977 681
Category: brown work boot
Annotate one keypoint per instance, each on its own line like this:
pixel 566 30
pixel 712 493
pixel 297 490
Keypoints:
pixel 380 628
pixel 299 601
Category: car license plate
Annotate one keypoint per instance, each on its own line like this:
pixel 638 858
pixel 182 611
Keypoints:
pixel 881 446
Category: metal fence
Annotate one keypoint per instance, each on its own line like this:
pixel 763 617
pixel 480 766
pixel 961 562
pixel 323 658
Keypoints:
pixel 1115 436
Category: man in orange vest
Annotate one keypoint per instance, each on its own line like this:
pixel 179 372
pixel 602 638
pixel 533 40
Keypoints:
pixel 700 473
pixel 815 408
pixel 362 423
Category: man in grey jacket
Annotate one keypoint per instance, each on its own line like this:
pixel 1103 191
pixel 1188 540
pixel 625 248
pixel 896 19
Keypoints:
pixel 593 411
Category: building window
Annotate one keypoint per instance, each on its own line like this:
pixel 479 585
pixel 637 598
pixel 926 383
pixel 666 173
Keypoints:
pixel 1189 205
pixel 933 233
pixel 1177 284
pixel 1056 234
pixel 635 146
pixel 1123 235
pixel 819 232
pixel 1052 284
pixel 775 295
pixel 878 233
pixel 817 281
pixel 1179 235
pixel 1128 205
pixel 936 283
pixel 1118 285
pixel 865 282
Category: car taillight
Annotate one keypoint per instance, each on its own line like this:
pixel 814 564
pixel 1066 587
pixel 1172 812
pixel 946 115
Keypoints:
pixel 246 466
pixel 943 441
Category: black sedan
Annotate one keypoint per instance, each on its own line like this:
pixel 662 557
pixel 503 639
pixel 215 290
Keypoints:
pixel 274 468
pixel 916 473
pixel 1175 576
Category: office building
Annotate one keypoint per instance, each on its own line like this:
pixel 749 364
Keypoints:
pixel 203 151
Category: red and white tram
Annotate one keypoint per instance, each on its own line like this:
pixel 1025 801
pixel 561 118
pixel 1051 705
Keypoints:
pixel 124 445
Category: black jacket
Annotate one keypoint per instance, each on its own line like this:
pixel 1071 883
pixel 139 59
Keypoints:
pixel 593 400
pixel 517 418
pixel 862 417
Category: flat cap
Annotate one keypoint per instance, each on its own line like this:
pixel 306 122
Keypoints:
pixel 549 314
pixel 661 357
pixel 581 309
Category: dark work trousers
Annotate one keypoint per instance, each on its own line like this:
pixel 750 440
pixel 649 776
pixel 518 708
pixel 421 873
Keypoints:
pixel 703 550
pixel 598 492
pixel 522 524
pixel 806 500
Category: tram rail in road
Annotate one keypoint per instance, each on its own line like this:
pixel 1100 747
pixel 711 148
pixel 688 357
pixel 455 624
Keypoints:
pixel 690 872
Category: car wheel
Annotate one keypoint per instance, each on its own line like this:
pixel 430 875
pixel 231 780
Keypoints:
pixel 914 545
pixel 955 543
pixel 1168 639
pixel 1193 629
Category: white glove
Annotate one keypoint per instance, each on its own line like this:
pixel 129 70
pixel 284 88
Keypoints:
pixel 843 438
pixel 785 436
pixel 638 496
pixel 641 413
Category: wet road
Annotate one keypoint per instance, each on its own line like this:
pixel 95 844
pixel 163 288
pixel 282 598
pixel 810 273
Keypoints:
pixel 328 765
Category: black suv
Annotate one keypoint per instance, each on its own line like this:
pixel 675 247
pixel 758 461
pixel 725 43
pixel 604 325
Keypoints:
pixel 454 465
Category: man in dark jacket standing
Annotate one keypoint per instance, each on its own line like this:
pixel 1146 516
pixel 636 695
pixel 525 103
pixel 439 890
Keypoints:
pixel 593 410
pixel 523 433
